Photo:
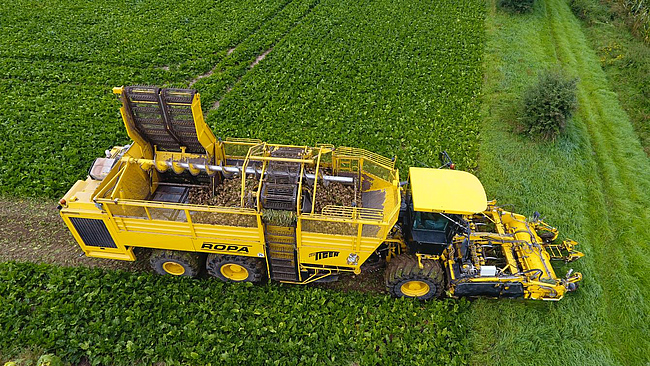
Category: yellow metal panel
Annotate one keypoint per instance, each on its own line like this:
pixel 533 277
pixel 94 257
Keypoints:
pixel 248 249
pixel 228 233
pixel 332 257
pixel 446 191
pixel 155 240
pixel 127 255
pixel 155 226
pixel 203 132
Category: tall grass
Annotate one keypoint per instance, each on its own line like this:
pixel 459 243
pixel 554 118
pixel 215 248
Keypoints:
pixel 639 13
pixel 593 183
pixel 624 58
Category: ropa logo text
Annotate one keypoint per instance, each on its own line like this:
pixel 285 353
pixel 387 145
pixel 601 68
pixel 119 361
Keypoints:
pixel 322 255
pixel 223 247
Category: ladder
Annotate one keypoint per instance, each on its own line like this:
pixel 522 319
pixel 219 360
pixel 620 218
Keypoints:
pixel 282 253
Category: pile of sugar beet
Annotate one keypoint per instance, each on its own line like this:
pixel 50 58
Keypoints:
pixel 228 194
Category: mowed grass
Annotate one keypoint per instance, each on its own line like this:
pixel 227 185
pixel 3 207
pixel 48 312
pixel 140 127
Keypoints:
pixel 593 183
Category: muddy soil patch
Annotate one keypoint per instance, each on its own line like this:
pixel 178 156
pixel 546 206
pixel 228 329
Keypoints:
pixel 33 231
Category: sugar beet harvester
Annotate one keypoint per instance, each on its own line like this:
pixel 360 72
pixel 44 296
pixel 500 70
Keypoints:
pixel 300 214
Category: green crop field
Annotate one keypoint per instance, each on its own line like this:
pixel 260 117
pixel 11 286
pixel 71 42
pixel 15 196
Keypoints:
pixel 401 78
pixel 344 72
pixel 124 318
pixel 338 72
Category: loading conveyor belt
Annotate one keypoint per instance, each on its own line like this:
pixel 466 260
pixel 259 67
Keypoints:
pixel 163 117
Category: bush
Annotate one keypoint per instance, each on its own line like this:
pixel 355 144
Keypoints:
pixel 517 6
pixel 548 104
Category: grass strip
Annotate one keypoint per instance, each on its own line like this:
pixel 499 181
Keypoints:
pixel 624 58
pixel 593 184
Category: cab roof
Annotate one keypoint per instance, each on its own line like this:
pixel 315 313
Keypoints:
pixel 446 191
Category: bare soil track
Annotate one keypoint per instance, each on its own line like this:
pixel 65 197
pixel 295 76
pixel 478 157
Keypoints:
pixel 32 231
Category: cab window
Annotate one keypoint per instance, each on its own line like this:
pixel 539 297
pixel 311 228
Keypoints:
pixel 429 221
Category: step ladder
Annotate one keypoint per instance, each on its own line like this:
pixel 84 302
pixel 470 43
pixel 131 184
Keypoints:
pixel 281 251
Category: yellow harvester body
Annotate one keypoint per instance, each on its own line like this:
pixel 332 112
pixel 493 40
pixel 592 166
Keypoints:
pixel 437 232
pixel 112 216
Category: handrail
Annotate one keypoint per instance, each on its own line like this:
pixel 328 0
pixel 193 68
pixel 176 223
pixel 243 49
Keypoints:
pixel 299 193
pixel 243 140
pixel 243 176
pixel 179 206
pixel 353 152
pixel 371 216
pixel 313 199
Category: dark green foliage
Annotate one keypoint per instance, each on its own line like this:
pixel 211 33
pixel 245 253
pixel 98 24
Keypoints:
pixel 517 6
pixel 548 104
pixel 353 73
pixel 121 318
pixel 590 10
pixel 349 73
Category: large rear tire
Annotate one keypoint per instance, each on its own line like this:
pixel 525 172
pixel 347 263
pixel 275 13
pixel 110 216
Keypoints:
pixel 234 268
pixel 175 263
pixel 404 278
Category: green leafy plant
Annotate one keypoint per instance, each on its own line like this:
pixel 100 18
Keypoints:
pixel 279 217
pixel 120 318
pixel 549 104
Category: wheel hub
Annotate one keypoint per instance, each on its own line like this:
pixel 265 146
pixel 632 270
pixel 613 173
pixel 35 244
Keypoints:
pixel 173 268
pixel 234 272
pixel 415 288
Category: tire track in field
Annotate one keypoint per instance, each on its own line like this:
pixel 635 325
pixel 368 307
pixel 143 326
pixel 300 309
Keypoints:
pixel 244 39
pixel 243 67
pixel 33 231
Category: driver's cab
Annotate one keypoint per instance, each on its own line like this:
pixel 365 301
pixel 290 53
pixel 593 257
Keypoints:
pixel 435 202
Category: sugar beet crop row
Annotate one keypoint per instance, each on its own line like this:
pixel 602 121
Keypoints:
pixel 398 78
pixel 122 318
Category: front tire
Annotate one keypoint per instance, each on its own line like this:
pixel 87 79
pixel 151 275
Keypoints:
pixel 404 278
pixel 234 268
pixel 175 263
